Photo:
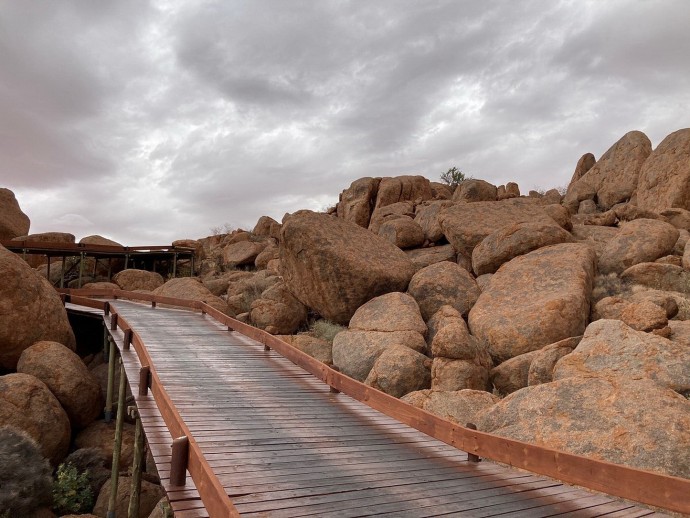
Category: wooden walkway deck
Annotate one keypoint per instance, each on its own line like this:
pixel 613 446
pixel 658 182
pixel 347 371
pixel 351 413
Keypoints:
pixel 283 445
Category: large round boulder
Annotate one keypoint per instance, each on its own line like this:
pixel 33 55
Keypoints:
pixel 611 348
pixel 403 232
pixel 614 176
pixel 334 266
pixel 355 352
pixel 611 419
pixel 535 300
pixel 510 241
pixel 133 279
pixel 659 276
pixel 665 176
pixel 399 370
pixel 427 218
pixel 149 495
pixel 28 404
pixel 639 241
pixel 31 310
pixel 465 225
pixel 357 201
pixel 474 190
pixel 390 312
pixel 77 390
pixel 99 435
pixel 278 311
pixel 13 222
pixel 191 288
pixel 441 284
pixel 402 188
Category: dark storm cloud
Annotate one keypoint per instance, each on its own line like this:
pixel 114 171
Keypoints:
pixel 154 121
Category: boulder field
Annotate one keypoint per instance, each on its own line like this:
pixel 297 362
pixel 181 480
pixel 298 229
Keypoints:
pixel 561 319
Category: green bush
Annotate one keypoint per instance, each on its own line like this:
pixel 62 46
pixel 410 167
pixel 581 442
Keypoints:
pixel 25 479
pixel 326 330
pixel 453 177
pixel 72 491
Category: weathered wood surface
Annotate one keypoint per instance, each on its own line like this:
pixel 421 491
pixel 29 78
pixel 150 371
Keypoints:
pixel 281 444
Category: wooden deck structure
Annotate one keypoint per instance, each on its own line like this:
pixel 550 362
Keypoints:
pixel 143 257
pixel 268 438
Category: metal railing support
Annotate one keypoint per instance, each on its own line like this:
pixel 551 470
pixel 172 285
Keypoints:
pixel 117 447
pixel 133 511
pixel 111 381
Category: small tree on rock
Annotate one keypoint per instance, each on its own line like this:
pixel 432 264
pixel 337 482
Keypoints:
pixel 452 177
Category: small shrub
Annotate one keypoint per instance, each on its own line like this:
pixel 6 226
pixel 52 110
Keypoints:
pixel 453 177
pixel 25 479
pixel 326 330
pixel 225 228
pixel 72 492
pixel 608 285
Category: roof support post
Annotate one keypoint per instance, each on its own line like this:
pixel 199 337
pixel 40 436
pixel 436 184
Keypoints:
pixel 62 274
pixel 81 267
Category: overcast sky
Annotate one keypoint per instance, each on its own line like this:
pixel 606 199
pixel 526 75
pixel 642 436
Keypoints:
pixel 152 121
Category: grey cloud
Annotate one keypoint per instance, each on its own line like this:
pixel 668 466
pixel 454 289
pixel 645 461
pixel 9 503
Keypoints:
pixel 153 121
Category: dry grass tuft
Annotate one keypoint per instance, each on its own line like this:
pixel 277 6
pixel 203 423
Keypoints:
pixel 326 330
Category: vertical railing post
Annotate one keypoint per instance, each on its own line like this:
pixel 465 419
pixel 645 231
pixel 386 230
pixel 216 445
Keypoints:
pixel 174 272
pixel 178 462
pixel 144 380
pixel 117 447
pixel 48 271
pixel 471 457
pixel 133 511
pixel 111 381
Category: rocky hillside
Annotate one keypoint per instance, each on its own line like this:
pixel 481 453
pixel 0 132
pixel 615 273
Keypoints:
pixel 562 320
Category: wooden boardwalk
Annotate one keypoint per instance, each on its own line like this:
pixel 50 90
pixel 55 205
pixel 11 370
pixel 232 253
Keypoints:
pixel 283 445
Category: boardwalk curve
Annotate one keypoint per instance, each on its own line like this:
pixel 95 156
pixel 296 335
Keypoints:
pixel 281 443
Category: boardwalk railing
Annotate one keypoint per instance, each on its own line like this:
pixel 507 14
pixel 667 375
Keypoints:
pixel 655 489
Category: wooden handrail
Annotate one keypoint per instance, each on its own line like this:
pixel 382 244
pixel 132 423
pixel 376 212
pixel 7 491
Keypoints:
pixel 655 489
